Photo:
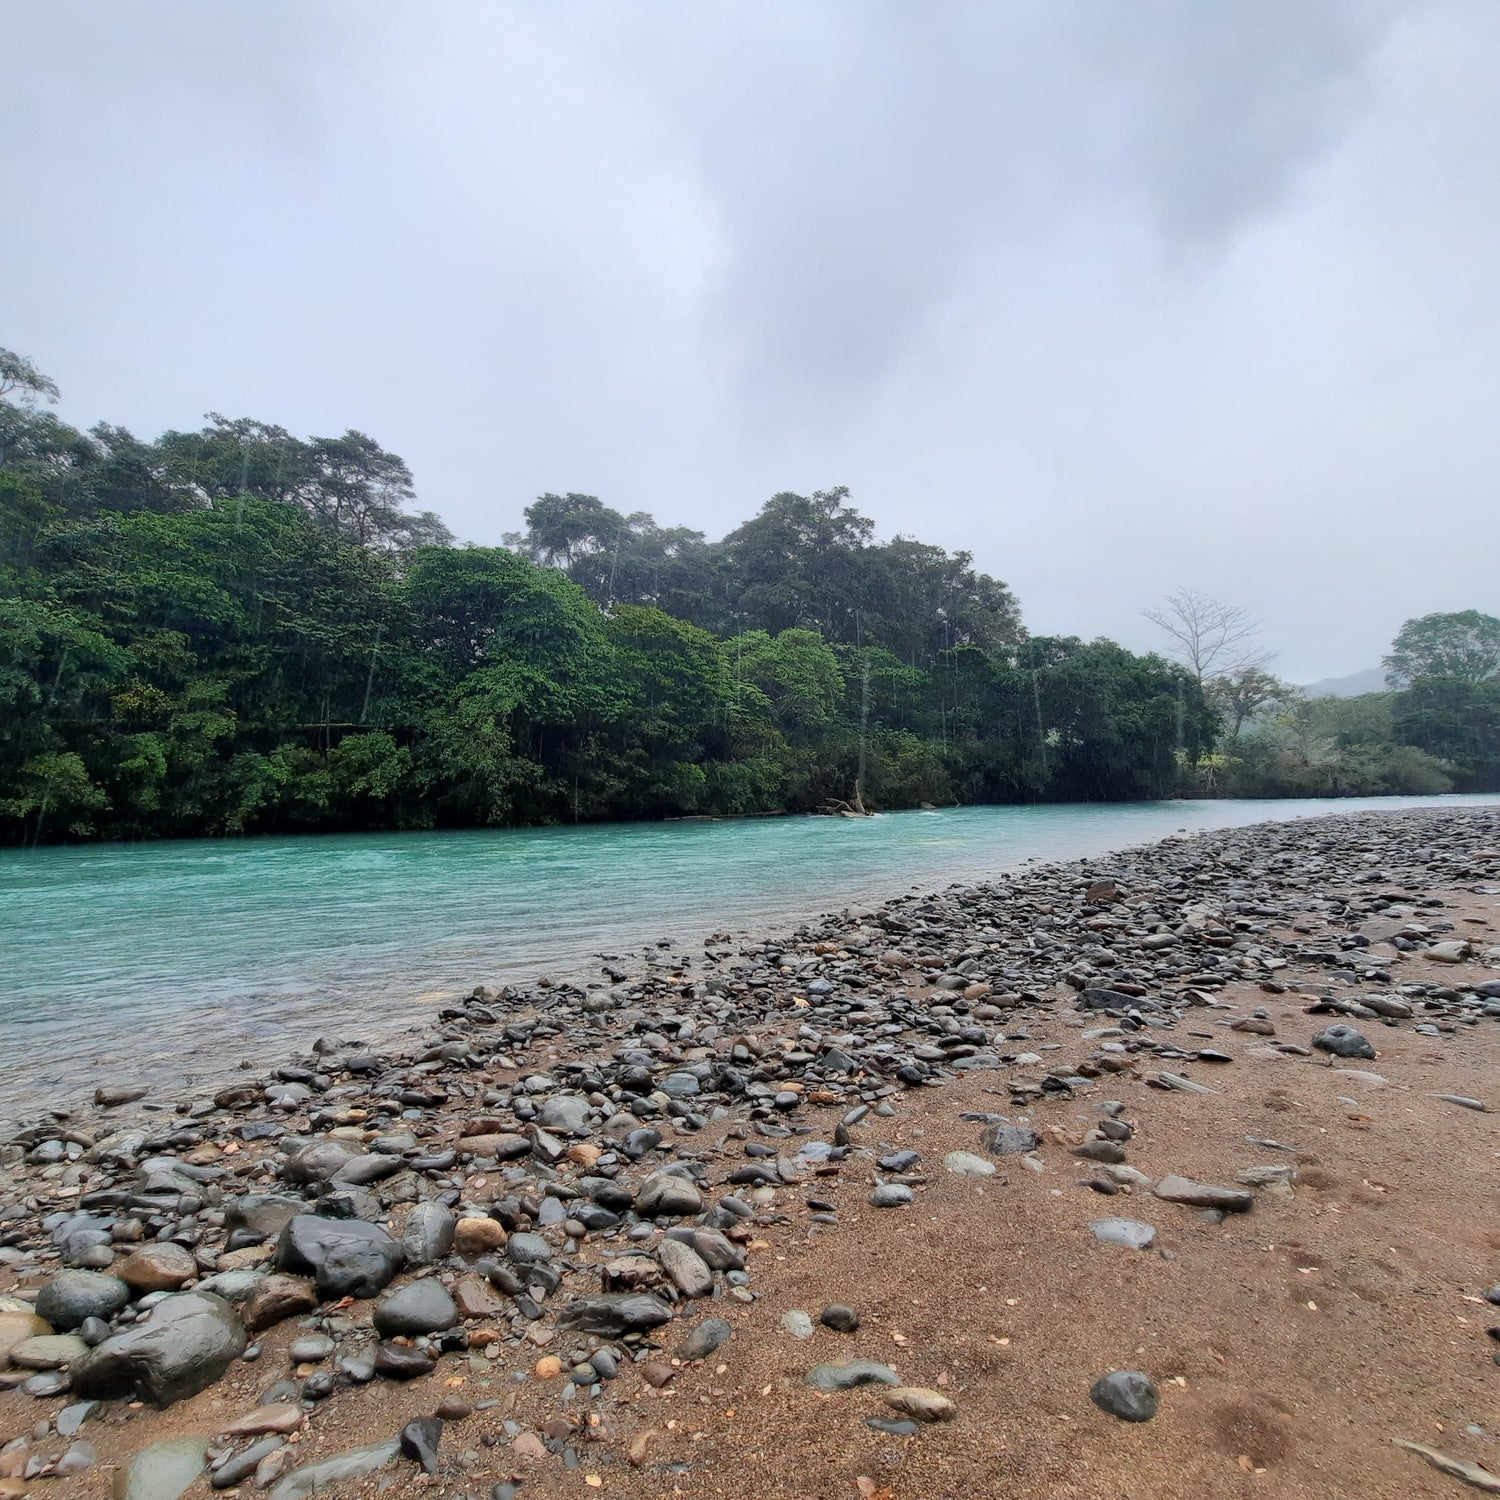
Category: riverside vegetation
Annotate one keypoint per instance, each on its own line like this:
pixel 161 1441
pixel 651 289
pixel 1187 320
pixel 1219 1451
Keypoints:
pixel 234 630
pixel 623 1231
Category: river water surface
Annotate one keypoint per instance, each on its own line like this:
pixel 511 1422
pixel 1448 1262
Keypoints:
pixel 170 962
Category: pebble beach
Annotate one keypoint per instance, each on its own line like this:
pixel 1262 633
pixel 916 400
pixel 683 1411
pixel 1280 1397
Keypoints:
pixel 1164 1173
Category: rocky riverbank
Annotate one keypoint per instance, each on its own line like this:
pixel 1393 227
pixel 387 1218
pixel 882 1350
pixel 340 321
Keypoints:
pixel 1157 1174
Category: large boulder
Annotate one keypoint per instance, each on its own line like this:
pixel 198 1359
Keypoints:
pixel 185 1345
pixel 346 1257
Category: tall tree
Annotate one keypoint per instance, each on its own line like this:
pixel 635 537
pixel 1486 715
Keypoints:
pixel 1464 646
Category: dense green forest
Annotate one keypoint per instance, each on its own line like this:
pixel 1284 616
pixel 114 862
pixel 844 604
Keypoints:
pixel 234 630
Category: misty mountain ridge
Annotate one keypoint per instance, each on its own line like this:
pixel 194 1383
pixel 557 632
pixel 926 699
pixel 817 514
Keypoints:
pixel 1371 680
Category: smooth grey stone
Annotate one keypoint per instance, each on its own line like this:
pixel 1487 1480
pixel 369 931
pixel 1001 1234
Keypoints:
pixel 966 1164
pixel 709 1335
pixel 362 1171
pixel 71 1297
pixel 428 1235
pixel 47 1351
pixel 798 1324
pixel 891 1195
pixel 1009 1140
pixel 1126 1394
pixel 357 1364
pixel 239 1468
pixel 419 1442
pixel 417 1308
pixel 48 1383
pixel 318 1162
pixel 840 1317
pixel 1175 1189
pixel 848 1374
pixel 71 1418
pixel 1343 1041
pixel 93 1331
pixel 686 1269
pixel 79 1457
pixel 163 1471
pixel 1105 999
pixel 666 1195
pixel 526 1249
pixel 568 1113
pixel 233 1286
pixel 1128 1232
pixel 261 1214
pixel 309 1349
pixel 353 1463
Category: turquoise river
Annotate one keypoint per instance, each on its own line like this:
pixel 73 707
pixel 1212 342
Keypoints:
pixel 171 962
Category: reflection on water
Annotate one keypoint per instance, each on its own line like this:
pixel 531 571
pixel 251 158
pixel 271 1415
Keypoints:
pixel 177 959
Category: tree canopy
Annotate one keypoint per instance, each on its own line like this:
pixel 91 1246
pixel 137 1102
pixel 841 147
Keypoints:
pixel 1464 647
pixel 237 629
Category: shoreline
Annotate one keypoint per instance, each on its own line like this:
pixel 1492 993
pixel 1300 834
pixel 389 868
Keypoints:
pixel 739 1134
pixel 287 1014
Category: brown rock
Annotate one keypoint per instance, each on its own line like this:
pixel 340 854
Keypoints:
pixel 243 1260
pixel 472 1237
pixel 453 1409
pixel 476 1300
pixel 281 1417
pixel 157 1268
pixel 529 1446
pixel 640 1446
pixel 629 1272
pixel 276 1299
pixel 15 1328
pixel 502 1147
pixel 923 1404
pixel 656 1373
pixel 1256 1025
pixel 548 1367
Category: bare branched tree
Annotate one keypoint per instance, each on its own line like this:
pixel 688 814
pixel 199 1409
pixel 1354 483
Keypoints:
pixel 1211 638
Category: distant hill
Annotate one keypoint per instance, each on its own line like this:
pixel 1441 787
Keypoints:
pixel 1371 680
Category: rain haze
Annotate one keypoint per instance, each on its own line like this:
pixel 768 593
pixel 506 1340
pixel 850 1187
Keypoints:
pixel 1118 299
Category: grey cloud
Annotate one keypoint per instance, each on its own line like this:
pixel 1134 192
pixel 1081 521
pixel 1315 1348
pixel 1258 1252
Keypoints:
pixel 1120 297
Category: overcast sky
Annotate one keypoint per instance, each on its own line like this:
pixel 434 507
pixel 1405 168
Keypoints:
pixel 1117 297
